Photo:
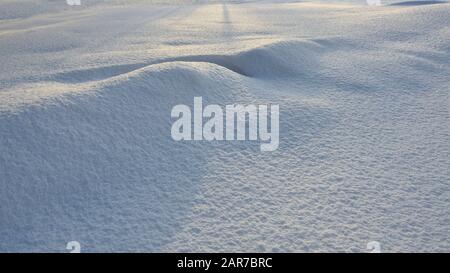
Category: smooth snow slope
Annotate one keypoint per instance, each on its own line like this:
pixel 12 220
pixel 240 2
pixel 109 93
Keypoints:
pixel 86 152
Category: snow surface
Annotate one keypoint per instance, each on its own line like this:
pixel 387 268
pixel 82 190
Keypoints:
pixel 86 152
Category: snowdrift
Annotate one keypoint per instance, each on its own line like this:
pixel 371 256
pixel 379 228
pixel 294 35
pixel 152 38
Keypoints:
pixel 74 166
pixel 285 58
pixel 97 151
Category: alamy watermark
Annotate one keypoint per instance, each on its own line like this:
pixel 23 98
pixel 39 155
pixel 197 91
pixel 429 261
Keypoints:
pixel 374 247
pixel 207 123
pixel 73 247
pixel 73 2
pixel 373 2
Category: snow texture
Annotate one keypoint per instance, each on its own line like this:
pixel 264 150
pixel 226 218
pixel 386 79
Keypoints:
pixel 86 152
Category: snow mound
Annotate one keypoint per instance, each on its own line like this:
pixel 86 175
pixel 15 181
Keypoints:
pixel 276 59
pixel 105 158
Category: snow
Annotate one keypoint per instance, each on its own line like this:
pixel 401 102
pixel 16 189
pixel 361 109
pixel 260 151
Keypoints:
pixel 85 147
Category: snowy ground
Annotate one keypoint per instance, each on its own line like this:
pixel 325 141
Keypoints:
pixel 86 152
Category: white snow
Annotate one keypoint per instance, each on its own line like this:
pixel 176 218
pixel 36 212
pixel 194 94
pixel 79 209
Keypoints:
pixel 85 147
